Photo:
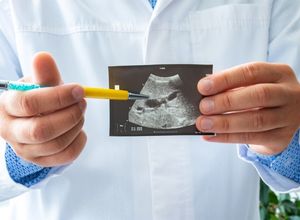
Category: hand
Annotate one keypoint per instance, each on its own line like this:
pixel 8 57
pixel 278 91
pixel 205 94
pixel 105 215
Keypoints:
pixel 255 103
pixel 44 126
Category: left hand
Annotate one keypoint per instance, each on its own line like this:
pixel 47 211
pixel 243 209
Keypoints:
pixel 255 103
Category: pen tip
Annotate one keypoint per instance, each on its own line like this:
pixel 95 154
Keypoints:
pixel 135 96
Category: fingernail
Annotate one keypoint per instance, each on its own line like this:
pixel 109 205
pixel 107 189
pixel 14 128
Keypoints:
pixel 206 124
pixel 78 93
pixel 206 84
pixel 207 105
pixel 82 105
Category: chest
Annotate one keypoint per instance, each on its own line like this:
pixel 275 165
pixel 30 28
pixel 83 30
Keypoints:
pixel 88 36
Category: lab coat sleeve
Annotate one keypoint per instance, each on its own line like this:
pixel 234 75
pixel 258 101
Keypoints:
pixel 284 47
pixel 282 171
pixel 284 37
pixel 9 188
pixel 10 69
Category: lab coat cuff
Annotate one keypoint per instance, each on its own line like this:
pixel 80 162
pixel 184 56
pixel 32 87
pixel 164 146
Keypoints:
pixel 273 179
pixel 53 173
pixel 8 187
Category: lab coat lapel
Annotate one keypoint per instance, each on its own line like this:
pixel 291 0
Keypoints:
pixel 160 6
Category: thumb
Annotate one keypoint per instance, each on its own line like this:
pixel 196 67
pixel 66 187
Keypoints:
pixel 45 71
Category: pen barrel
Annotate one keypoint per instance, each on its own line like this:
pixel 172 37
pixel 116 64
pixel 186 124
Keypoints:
pixel 22 86
pixel 99 93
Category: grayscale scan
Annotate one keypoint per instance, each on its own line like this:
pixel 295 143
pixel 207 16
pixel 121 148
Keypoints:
pixel 173 104
pixel 168 106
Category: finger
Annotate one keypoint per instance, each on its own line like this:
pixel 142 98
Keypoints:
pixel 250 121
pixel 3 94
pixel 5 121
pixel 240 76
pixel 51 147
pixel 39 101
pixel 26 79
pixel 256 96
pixel 265 139
pixel 66 156
pixel 45 70
pixel 44 128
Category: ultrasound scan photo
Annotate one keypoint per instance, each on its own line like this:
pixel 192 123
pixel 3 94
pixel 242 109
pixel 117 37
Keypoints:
pixel 173 104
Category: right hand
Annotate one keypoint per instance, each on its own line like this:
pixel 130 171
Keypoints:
pixel 44 126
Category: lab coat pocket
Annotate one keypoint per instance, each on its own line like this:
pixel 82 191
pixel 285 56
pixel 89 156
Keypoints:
pixel 230 35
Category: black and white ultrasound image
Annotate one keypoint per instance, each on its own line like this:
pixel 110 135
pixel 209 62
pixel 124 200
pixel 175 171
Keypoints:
pixel 173 104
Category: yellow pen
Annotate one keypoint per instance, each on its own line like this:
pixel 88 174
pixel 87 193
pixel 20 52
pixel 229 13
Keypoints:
pixel 90 92
pixel 100 93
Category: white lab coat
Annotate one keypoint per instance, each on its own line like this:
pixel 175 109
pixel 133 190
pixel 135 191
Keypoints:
pixel 145 178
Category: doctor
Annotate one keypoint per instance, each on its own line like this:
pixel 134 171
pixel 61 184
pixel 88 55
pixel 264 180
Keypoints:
pixel 51 169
